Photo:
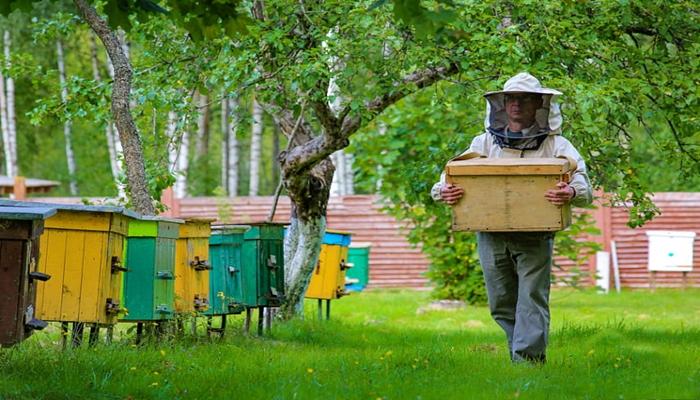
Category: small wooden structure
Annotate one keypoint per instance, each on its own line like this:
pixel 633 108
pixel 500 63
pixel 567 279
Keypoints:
pixel 328 279
pixel 19 250
pixel 21 186
pixel 507 194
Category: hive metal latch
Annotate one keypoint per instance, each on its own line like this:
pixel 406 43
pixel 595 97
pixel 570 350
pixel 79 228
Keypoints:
pixel 200 265
pixel 345 265
pixel 232 270
pixel 163 309
pixel 164 275
pixel 117 265
pixel 112 307
pixel 39 276
pixel 31 323
pixel 272 261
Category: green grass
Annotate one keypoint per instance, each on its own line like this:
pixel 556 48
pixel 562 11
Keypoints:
pixel 636 345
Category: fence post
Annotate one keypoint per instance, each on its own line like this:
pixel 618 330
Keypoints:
pixel 603 221
pixel 20 189
pixel 171 203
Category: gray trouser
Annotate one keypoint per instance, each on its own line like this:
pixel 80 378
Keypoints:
pixel 517 269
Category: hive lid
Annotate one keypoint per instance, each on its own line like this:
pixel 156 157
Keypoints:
pixel 71 207
pixel 510 166
pixel 26 213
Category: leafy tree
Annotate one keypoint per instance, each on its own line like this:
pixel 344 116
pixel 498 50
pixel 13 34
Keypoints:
pixel 626 71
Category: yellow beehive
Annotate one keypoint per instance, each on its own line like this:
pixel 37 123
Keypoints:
pixel 507 194
pixel 82 251
pixel 328 279
pixel 192 266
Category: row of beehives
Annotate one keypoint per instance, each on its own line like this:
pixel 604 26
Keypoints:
pixel 98 265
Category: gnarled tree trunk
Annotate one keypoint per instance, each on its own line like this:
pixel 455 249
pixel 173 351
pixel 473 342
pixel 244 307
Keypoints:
pixel 121 89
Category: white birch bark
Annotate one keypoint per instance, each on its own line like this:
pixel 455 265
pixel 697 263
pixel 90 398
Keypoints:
pixel 178 155
pixel 340 185
pixel 229 147
pixel 381 130
pixel 67 125
pixel 255 149
pixel 349 174
pixel 109 128
pixel 202 142
pixel 114 144
pixel 302 248
pixel 224 144
pixel 7 152
pixel 10 106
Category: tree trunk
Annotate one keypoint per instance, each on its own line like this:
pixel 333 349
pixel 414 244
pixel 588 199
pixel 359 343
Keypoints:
pixel 230 120
pixel 10 106
pixel 110 133
pixel 224 144
pixel 67 125
pixel 338 185
pixel 179 156
pixel 255 149
pixel 202 145
pixel 128 133
pixel 349 178
pixel 275 154
pixel 309 193
pixel 5 129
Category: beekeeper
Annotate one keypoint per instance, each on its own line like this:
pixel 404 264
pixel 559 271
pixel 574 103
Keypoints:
pixel 522 121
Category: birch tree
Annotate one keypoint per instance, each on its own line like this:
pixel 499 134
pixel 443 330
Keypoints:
pixel 67 124
pixel 11 118
pixel 7 148
pixel 202 143
pixel 255 148
pixel 229 147
pixel 110 131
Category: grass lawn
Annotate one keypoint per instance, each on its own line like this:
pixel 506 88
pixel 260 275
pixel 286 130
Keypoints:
pixel 636 345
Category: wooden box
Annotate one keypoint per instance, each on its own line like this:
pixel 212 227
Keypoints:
pixel 328 279
pixel 507 194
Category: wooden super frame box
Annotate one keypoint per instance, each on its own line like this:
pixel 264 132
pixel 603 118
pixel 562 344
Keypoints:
pixel 507 194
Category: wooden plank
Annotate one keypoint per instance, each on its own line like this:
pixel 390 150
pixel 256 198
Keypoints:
pixel 79 220
pixel 508 166
pixel 507 203
pixel 11 299
pixel 93 253
pixel 73 275
pixel 52 256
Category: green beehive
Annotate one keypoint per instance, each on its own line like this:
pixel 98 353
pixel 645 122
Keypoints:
pixel 150 256
pixel 263 269
pixel 358 275
pixel 225 277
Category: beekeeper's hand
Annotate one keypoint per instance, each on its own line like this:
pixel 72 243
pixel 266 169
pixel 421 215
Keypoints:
pixel 451 194
pixel 561 195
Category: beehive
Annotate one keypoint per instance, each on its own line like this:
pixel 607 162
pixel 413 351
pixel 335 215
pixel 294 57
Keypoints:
pixel 507 194
pixel 149 293
pixel 82 249
pixel 263 265
pixel 328 279
pixel 19 235
pixel 192 266
pixel 225 278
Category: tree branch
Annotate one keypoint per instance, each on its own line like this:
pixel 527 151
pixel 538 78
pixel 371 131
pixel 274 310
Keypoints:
pixel 419 80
